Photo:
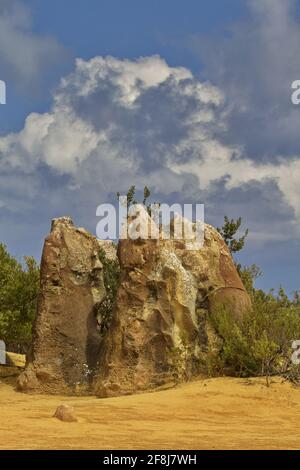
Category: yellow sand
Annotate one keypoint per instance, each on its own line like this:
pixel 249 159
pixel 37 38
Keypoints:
pixel 212 414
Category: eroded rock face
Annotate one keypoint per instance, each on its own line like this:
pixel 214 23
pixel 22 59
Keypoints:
pixel 159 334
pixel 66 340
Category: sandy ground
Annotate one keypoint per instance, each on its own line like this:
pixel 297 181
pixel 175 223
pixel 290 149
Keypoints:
pixel 212 414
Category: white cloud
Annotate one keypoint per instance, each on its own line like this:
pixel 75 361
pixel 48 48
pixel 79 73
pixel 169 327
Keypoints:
pixel 118 122
pixel 64 138
pixel 129 77
pixel 219 163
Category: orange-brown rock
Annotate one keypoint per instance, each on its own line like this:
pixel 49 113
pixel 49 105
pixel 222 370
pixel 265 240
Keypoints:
pixel 159 333
pixel 66 340
pixel 65 413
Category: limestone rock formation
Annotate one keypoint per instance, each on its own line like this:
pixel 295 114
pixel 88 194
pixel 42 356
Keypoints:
pixel 66 340
pixel 159 334
pixel 156 333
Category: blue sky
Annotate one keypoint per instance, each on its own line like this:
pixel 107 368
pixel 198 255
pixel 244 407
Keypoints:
pixel 190 97
pixel 122 29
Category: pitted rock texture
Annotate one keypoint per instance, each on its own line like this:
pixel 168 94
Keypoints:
pixel 66 341
pixel 159 334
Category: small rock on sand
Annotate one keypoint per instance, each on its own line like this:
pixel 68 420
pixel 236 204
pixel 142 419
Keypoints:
pixel 65 413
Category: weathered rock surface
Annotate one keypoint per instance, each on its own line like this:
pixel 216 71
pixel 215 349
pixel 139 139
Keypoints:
pixel 66 340
pixel 65 413
pixel 109 249
pixel 159 334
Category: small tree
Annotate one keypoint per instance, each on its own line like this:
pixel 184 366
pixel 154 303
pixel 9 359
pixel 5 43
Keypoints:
pixel 229 230
pixel 147 194
pixel 266 352
pixel 131 198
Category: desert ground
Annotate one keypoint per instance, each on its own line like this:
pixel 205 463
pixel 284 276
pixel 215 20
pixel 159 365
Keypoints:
pixel 221 413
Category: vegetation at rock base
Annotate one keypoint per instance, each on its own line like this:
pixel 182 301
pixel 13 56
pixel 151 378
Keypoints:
pixel 19 288
pixel 261 342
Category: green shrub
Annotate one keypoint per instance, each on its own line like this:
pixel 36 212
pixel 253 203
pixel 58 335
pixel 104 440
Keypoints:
pixel 259 344
pixel 18 296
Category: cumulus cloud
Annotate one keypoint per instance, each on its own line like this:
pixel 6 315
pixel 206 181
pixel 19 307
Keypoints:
pixel 24 56
pixel 117 115
pixel 116 122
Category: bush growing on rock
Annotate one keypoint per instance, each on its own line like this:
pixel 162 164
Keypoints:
pixel 111 277
pixel 229 230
